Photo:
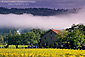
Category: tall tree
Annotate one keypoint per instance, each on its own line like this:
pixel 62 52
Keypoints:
pixel 62 38
pixel 9 41
pixel 38 34
pixel 81 28
pixel 16 39
pixel 76 38
pixel 1 40
pixel 29 38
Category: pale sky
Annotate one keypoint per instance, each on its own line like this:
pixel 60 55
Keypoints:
pixel 42 3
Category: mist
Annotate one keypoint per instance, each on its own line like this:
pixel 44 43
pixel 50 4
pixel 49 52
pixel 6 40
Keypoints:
pixel 42 22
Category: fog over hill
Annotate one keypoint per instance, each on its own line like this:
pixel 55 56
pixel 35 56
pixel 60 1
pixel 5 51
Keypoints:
pixel 38 11
pixel 29 21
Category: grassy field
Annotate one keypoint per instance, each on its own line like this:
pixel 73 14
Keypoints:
pixel 13 46
pixel 41 53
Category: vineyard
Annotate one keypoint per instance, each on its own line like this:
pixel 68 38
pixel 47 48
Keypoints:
pixel 41 53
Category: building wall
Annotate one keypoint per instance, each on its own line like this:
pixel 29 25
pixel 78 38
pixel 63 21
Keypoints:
pixel 48 39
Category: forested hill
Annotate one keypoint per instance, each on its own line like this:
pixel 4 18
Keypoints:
pixel 37 11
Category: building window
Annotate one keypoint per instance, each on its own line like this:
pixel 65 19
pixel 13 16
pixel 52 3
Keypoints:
pixel 51 38
pixel 51 33
pixel 45 38
pixel 46 43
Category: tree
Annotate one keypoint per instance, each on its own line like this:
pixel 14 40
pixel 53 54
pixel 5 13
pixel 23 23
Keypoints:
pixel 38 34
pixel 38 31
pixel 38 38
pixel 62 38
pixel 76 38
pixel 29 38
pixel 1 40
pixel 81 28
pixel 5 38
pixel 32 38
pixel 77 33
pixel 9 39
pixel 15 39
pixel 70 39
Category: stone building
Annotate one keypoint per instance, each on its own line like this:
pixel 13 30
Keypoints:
pixel 48 39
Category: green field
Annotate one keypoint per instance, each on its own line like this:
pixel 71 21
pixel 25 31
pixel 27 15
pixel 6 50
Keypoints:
pixel 13 46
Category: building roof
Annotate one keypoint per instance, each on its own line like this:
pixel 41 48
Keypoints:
pixel 56 31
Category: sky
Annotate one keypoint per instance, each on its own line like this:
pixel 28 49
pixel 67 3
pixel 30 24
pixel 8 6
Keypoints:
pixel 42 22
pixel 42 3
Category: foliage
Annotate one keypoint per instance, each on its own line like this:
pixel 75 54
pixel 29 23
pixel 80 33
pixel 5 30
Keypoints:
pixel 1 39
pixel 73 37
pixel 29 38
pixel 61 38
pixel 68 38
pixel 77 35
pixel 80 27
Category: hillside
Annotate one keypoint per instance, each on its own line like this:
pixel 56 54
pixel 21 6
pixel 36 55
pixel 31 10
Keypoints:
pixel 37 11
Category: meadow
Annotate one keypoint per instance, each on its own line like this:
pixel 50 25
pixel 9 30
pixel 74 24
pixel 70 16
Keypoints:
pixel 13 46
pixel 38 52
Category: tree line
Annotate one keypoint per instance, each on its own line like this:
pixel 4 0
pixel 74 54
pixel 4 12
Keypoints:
pixel 30 38
pixel 73 37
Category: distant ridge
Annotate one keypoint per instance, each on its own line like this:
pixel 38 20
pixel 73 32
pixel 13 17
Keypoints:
pixel 37 11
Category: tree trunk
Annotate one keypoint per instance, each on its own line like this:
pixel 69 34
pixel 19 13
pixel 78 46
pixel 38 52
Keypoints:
pixel 16 46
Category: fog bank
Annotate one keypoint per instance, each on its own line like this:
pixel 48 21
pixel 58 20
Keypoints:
pixel 42 22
